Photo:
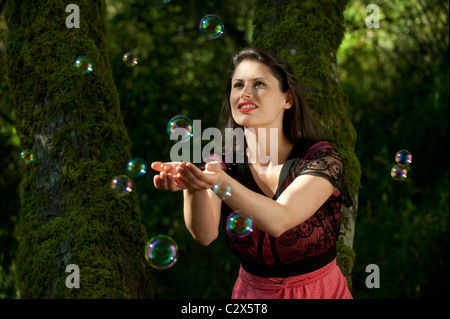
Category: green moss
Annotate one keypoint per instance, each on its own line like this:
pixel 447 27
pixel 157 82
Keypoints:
pixel 352 171
pixel 73 123
pixel 345 259
pixel 314 30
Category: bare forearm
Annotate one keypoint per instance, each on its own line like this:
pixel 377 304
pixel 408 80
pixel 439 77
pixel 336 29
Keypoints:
pixel 199 216
pixel 267 214
pixel 296 204
pixel 299 201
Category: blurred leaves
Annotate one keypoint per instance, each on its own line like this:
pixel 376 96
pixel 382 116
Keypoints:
pixel 9 178
pixel 396 80
pixel 178 72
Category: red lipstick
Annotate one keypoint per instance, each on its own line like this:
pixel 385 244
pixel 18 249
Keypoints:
pixel 249 106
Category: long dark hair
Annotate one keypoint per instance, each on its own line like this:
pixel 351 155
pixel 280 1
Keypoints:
pixel 299 124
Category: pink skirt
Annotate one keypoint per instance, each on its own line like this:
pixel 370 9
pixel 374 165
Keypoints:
pixel 324 283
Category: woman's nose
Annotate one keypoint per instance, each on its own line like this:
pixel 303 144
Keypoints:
pixel 246 93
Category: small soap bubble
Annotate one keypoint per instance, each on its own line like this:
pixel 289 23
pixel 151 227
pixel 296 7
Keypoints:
pixel 136 167
pixel 183 126
pixel 130 59
pixel 403 157
pixel 239 224
pixel 161 252
pixel 398 172
pixel 222 191
pixel 27 156
pixel 211 26
pixel 122 184
pixel 212 158
pixel 164 1
pixel 292 48
pixel 83 65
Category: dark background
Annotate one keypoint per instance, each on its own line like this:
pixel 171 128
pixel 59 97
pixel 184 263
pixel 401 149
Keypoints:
pixel 396 80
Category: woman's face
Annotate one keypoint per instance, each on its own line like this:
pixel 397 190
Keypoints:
pixel 256 99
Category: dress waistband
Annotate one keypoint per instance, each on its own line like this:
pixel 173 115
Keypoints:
pixel 291 269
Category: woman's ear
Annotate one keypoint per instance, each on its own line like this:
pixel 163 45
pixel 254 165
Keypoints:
pixel 289 99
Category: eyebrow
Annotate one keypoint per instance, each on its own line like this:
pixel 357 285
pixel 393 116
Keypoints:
pixel 255 79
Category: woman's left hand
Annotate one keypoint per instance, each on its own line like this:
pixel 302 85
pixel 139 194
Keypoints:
pixel 196 179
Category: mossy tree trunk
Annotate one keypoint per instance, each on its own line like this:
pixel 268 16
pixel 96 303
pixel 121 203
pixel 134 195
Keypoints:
pixel 72 122
pixel 308 34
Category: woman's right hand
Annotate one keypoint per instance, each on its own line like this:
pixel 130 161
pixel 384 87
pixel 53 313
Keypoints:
pixel 168 178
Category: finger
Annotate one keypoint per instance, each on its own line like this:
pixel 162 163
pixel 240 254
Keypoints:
pixel 190 178
pixel 157 181
pixel 171 184
pixel 156 166
pixel 202 175
pixel 164 183
pixel 178 180
pixel 163 166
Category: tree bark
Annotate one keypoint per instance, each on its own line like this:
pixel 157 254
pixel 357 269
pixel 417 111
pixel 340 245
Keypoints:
pixel 308 34
pixel 73 124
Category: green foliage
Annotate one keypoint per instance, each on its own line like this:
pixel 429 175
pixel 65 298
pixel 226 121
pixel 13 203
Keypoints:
pixel 9 179
pixel 345 260
pixel 178 72
pixel 308 34
pixel 396 79
pixel 58 112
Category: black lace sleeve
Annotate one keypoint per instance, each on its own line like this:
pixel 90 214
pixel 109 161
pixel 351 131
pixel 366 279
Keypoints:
pixel 323 160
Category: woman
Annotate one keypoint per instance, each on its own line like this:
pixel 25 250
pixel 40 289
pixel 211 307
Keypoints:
pixel 294 205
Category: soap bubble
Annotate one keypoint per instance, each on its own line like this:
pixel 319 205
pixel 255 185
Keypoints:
pixel 27 156
pixel 164 1
pixel 212 158
pixel 239 224
pixel 292 48
pixel 83 65
pixel 130 59
pixel 403 157
pixel 223 191
pixel 136 167
pixel 161 252
pixel 182 126
pixel 122 184
pixel 211 26
pixel 398 172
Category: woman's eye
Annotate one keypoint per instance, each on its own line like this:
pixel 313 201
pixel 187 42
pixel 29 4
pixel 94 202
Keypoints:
pixel 260 84
pixel 237 85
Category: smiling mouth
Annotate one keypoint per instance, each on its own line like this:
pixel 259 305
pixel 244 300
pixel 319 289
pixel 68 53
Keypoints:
pixel 246 107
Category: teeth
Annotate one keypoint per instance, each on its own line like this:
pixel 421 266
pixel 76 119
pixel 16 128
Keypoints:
pixel 247 106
